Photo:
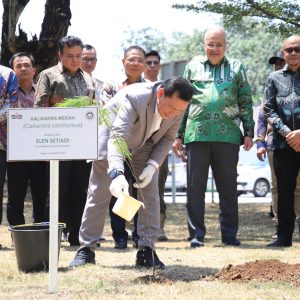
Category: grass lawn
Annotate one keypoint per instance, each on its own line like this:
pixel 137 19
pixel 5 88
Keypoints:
pixel 115 277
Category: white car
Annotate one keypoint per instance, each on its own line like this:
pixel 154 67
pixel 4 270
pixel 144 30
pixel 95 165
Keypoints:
pixel 255 179
pixel 253 175
pixel 178 167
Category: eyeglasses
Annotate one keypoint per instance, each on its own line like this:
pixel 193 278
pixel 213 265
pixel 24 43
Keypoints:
pixel 292 49
pixel 135 61
pixel 150 63
pixel 89 59
pixel 218 46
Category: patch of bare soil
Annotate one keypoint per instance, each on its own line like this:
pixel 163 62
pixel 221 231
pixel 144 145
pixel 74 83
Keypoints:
pixel 259 270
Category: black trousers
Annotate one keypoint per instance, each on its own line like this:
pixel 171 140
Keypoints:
pixel 73 184
pixel 2 179
pixel 286 166
pixel 118 224
pixel 223 159
pixel 19 174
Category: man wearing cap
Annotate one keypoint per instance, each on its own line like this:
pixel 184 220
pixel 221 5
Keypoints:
pixel 277 60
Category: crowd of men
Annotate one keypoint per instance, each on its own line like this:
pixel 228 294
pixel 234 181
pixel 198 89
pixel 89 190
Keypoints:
pixel 203 110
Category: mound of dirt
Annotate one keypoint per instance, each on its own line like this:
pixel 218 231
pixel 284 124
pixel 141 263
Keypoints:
pixel 260 270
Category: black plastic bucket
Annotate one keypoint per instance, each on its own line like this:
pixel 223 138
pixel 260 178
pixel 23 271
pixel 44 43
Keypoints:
pixel 31 243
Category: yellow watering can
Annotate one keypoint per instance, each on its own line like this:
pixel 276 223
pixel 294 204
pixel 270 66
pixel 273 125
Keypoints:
pixel 126 206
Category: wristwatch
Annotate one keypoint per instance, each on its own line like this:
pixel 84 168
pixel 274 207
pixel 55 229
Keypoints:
pixel 115 173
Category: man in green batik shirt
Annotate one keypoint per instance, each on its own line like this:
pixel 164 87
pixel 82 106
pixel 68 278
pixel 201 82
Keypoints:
pixel 211 131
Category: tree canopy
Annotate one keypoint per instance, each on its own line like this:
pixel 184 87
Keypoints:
pixel 279 16
pixel 44 48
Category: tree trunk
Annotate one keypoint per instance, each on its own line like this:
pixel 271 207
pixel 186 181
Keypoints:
pixel 55 25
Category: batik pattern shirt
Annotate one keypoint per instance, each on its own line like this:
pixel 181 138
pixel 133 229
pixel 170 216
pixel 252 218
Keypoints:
pixel 110 88
pixel 26 99
pixel 222 99
pixel 8 99
pixel 56 84
pixel 282 104
pixel 264 130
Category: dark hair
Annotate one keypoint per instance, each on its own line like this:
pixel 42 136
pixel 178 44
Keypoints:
pixel 153 53
pixel 134 47
pixel 88 47
pixel 20 54
pixel 69 41
pixel 180 86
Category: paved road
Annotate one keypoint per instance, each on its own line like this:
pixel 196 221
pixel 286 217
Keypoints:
pixel 246 198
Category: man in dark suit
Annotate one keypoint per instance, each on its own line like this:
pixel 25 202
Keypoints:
pixel 148 116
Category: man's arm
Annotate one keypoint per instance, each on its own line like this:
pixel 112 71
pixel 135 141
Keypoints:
pixel 43 91
pixel 120 129
pixel 262 125
pixel 270 108
pixel 9 95
pixel 245 103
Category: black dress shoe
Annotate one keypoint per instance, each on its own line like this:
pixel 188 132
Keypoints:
pixel 231 241
pixel 82 257
pixel 144 259
pixel 280 242
pixel 121 244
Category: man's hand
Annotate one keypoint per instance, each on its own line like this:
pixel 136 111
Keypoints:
pixel 293 139
pixel 145 176
pixel 261 153
pixel 247 143
pixel 177 148
pixel 118 185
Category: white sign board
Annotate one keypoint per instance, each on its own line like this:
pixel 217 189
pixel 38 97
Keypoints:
pixel 52 133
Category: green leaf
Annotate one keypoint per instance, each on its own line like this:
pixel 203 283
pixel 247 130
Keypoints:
pixel 79 101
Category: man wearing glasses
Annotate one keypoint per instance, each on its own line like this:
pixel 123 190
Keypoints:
pixel 151 73
pixel 282 109
pixel 211 131
pixel 62 81
pixel 88 64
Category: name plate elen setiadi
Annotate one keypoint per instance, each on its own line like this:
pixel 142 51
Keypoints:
pixel 52 133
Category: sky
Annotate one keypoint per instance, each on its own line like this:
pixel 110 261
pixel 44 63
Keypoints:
pixel 102 23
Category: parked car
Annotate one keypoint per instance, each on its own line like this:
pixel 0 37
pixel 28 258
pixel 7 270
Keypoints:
pixel 180 171
pixel 253 175
pixel 255 179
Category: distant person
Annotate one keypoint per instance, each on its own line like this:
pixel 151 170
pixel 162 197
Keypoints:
pixel 67 80
pixel 134 65
pixel 88 64
pixel 151 73
pixel 8 96
pixel 210 129
pixel 20 173
pixel 282 110
pixel 148 123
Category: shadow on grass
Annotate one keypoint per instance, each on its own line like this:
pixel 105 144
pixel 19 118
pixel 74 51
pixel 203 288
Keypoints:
pixel 4 248
pixel 172 273
pixel 187 273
